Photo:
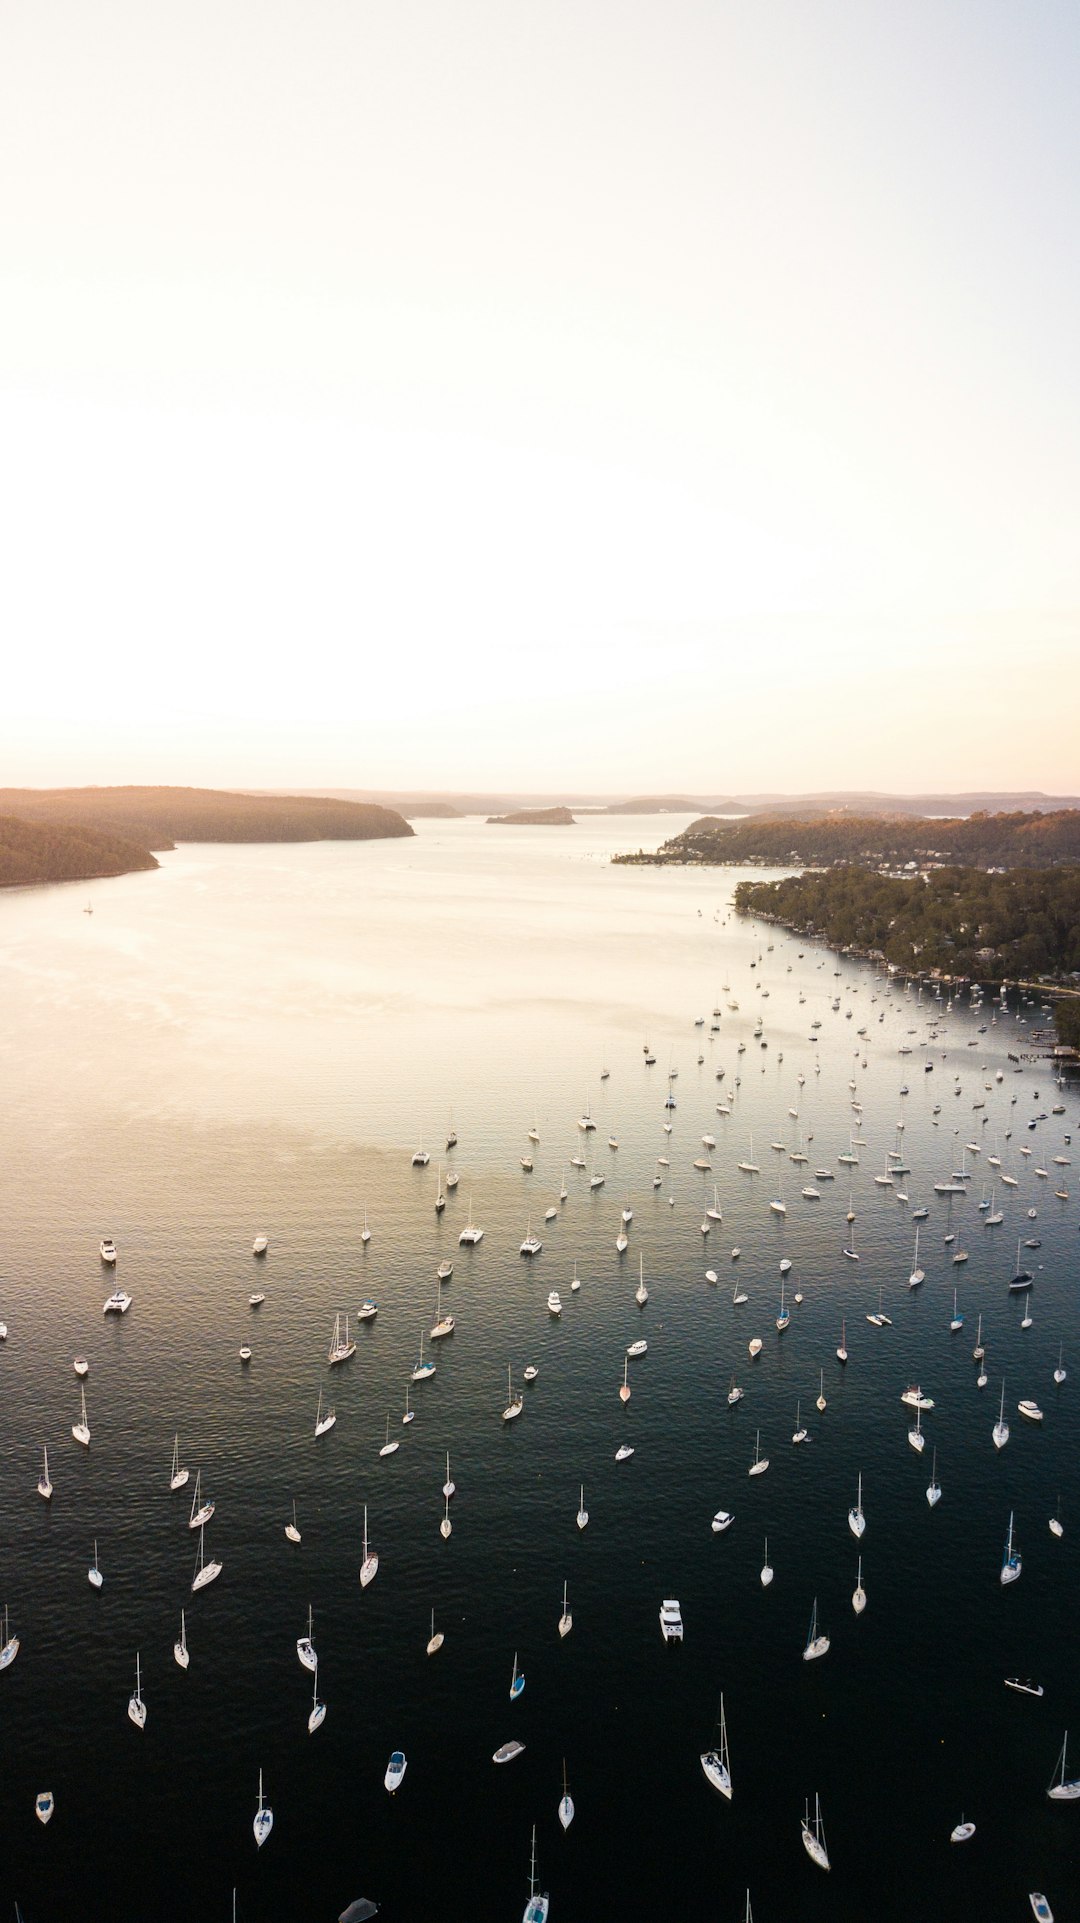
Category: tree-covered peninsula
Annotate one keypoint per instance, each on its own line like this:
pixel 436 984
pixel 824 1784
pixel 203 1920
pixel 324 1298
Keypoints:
pixel 33 851
pixel 160 817
pixel 1020 926
pixel 1031 840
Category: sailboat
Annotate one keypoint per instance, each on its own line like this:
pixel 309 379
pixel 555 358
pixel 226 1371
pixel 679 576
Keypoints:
pixel 784 1316
pixel 978 1351
pixel 813 1836
pixel 264 1818
pixel 858 1594
pixel 449 1486
pixel 816 1644
pixel 470 1234
pixel 389 1448
pixel 341 1345
pixel 957 1320
pixel 750 1167
pixel 318 1710
pixel 582 1514
pixel 849 1245
pixel 716 1762
pixel 566 1802
pixel 370 1563
pixel 915 1436
pixel 624 1387
pixel 44 1486
pixel 445 1526
pixel 641 1293
pixel 323 1422
pixel 423 1369
pixel 201 1512
pixel 536 1909
pixel 1060 1373
pixel 9 1644
pixel 291 1529
pixel 136 1706
pixel 855 1518
pixel 517 1680
pixel 1000 1430
pixel 933 1492
pixel 821 1402
pixel 760 1462
pixel 1061 1791
pixel 180 1649
pixel 766 1567
pixel 841 1353
pixel 566 1620
pixel 436 1639
pixel 365 1233
pixel 514 1403
pixel 1011 1564
pixel 178 1476
pixel 305 1648
pixel 410 1414
pixel 440 1198
pixel 205 1572
pixel 443 1324
pixel 93 1575
pixel 81 1429
pixel 917 1275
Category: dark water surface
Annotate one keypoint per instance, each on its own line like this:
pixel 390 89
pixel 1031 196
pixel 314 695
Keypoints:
pixel 257 1039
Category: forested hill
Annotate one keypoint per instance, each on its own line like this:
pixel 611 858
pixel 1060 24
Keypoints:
pixel 979 841
pixel 32 851
pixel 957 921
pixel 159 817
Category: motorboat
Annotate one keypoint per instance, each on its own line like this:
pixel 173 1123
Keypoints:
pixel 671 1622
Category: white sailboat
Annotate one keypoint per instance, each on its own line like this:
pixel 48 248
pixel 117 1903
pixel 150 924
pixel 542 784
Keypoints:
pixel 81 1429
pixel 436 1638
pixel 1011 1564
pixel 9 1644
pixel 916 1439
pixel 821 1401
pixel 470 1235
pixel 566 1802
pixel 842 1353
pixel 201 1512
pixel 536 1909
pixel 264 1818
pixel 446 1526
pixel 856 1519
pixel 422 1369
pixel 517 1680
pixel 370 1563
pixel 816 1644
pixel 858 1594
pixel 715 1762
pixel 766 1567
pixel 641 1293
pixel 136 1707
pixel 760 1462
pixel 1000 1430
pixel 44 1487
pixel 565 1620
pixel 318 1710
pixel 291 1530
pixel 178 1476
pixel 305 1648
pixel 323 1422
pixel 514 1403
pixel 205 1572
pixel 624 1386
pixel 1060 1789
pixel 389 1448
pixel 180 1648
pixel 933 1491
pixel 813 1836
pixel 341 1344
pixel 93 1575
pixel 582 1514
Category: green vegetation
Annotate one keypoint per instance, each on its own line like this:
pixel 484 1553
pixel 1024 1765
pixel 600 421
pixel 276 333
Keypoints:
pixel 956 921
pixel 159 817
pixel 1067 1022
pixel 533 818
pixel 979 841
pixel 33 852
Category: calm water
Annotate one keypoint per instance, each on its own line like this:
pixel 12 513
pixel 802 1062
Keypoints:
pixel 256 1039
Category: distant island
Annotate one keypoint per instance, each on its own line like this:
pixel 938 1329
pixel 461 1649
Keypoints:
pixel 957 922
pixel 33 852
pixel 77 834
pixel 1032 840
pixel 533 818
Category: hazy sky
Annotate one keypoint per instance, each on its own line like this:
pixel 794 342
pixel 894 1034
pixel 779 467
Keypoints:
pixel 444 393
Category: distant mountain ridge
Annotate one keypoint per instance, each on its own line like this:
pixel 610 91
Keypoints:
pixel 851 801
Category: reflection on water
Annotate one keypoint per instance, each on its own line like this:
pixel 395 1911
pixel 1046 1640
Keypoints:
pixel 258 1039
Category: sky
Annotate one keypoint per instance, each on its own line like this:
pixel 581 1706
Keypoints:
pixel 604 396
